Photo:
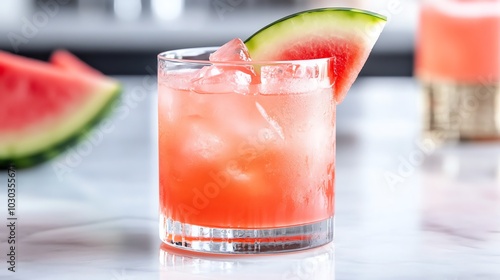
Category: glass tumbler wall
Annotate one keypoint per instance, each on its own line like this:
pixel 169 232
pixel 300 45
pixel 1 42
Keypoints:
pixel 458 62
pixel 246 153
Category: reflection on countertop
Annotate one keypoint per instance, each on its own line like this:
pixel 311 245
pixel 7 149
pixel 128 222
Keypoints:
pixel 317 264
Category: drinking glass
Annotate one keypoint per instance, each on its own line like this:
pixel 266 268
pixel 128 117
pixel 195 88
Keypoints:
pixel 246 153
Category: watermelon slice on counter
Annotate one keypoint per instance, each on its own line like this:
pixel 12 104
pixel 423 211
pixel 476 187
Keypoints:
pixel 45 108
pixel 344 34
pixel 66 60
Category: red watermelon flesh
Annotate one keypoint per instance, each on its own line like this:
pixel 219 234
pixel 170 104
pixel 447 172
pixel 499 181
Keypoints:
pixel 42 106
pixel 344 55
pixel 68 61
pixel 47 92
pixel 347 36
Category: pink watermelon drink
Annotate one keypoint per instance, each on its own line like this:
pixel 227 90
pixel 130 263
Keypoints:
pixel 247 148
pixel 458 61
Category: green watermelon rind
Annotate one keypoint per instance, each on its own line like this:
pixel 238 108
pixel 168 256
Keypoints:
pixel 74 137
pixel 340 16
pixel 353 29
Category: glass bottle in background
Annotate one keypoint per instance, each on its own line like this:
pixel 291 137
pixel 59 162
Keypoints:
pixel 458 63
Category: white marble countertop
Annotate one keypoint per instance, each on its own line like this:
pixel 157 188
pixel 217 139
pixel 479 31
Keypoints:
pixel 97 219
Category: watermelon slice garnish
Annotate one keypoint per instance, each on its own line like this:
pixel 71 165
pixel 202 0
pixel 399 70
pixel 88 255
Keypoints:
pixel 45 108
pixel 345 35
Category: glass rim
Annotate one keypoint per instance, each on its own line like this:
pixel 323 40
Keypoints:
pixel 164 56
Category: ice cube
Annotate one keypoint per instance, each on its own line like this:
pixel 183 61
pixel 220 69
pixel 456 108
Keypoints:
pixel 200 139
pixel 276 127
pixel 220 79
pixel 290 71
pixel 180 79
pixel 226 77
pixel 292 78
pixel 234 50
pixel 237 171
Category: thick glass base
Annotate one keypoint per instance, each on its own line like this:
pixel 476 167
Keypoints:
pixel 246 241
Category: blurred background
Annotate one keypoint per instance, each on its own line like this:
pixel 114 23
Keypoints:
pixel 122 37
pixel 406 208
